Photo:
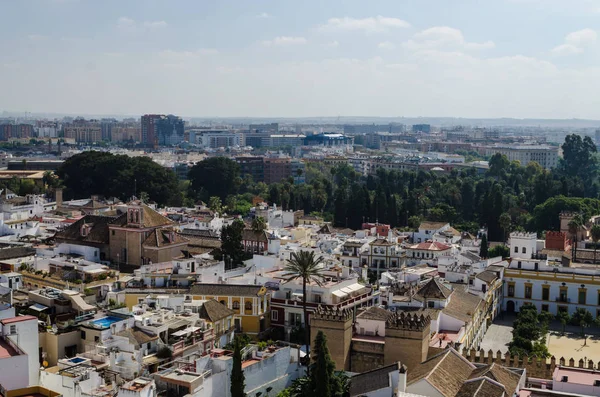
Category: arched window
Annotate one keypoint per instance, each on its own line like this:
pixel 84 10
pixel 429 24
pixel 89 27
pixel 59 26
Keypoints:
pixel 248 305
pixel 524 250
pixel 236 305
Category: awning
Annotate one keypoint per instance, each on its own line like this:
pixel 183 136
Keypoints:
pixel 339 293
pixel 180 333
pixel 38 307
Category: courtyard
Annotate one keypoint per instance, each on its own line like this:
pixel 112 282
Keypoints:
pixel 570 345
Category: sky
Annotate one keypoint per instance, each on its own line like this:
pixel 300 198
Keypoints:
pixel 283 58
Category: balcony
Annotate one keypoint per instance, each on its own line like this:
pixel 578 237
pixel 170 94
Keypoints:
pixel 563 299
pixel 311 305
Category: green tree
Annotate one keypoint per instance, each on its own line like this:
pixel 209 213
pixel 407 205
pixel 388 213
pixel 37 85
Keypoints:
pixel 595 234
pixel 238 380
pixel 498 164
pixel 564 318
pixel 305 266
pixel 215 176
pixel 215 204
pixel 574 225
pixel 232 250
pixel 323 380
pixel 505 222
pixel 259 224
pixel 584 319
pixel 499 250
pixel 483 248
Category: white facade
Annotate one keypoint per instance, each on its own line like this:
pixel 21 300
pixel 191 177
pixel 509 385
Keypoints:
pixel 23 331
pixel 544 155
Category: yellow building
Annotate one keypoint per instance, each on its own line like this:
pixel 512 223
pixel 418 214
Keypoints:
pixel 251 304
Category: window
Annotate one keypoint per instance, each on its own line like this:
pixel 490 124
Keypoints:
pixel 524 250
pixel 528 292
pixel 113 232
pixel 13 329
pixel 545 293
pixel 545 308
pixel 96 338
pixel 236 305
pixel 248 305
pixel 222 302
pixel 274 315
pixel 317 298
pixel 148 345
pixel 519 264
pixel 431 304
pixel 563 294
pixel 516 250
pixel 582 296
pixel 511 290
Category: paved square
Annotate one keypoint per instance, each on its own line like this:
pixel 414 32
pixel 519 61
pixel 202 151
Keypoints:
pixel 571 345
pixel 497 337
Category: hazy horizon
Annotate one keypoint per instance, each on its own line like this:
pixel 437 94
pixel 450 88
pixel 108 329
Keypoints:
pixel 508 59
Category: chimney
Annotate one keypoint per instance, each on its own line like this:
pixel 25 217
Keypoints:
pixel 58 194
pixel 402 379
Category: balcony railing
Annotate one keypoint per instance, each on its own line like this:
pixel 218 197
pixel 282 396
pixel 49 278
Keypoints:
pixel 340 305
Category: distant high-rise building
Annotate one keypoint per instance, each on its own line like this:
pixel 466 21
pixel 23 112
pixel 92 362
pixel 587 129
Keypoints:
pixel 160 129
pixel 272 128
pixel 106 126
pixel 426 128
pixel 8 131
pixel 83 131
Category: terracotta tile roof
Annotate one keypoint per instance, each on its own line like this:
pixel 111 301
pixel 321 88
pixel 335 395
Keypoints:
pixel 152 218
pixel 481 387
pixel 371 381
pixel 426 225
pixel 163 237
pixel 225 289
pixel 509 379
pixel 98 232
pixel 445 371
pixel 380 242
pixel 214 311
pixel 375 313
pixel 462 305
pixel 207 242
pixel 430 246
pixel 251 235
pixel 487 276
pixel 433 289
pixel 136 336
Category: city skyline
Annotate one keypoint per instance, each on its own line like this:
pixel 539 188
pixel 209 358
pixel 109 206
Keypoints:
pixel 513 58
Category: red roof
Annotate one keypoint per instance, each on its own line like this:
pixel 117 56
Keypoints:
pixel 430 246
pixel 17 319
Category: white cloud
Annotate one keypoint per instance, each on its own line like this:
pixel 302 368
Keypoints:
pixel 576 42
pixel 125 22
pixel 444 36
pixel 181 55
pixel 264 15
pixel 581 37
pixel 285 41
pixel 155 24
pixel 333 43
pixel 371 24
pixel 386 45
pixel 130 25
pixel 566 49
pixel 37 37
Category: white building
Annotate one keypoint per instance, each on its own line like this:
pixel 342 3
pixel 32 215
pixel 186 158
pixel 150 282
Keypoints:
pixel 428 229
pixel 544 155
pixel 19 352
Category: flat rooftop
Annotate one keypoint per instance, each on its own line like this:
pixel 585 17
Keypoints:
pixel 6 350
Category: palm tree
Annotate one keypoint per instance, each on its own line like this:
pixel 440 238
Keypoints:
pixel 258 224
pixel 305 266
pixel 574 225
pixel 505 222
pixel 595 234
